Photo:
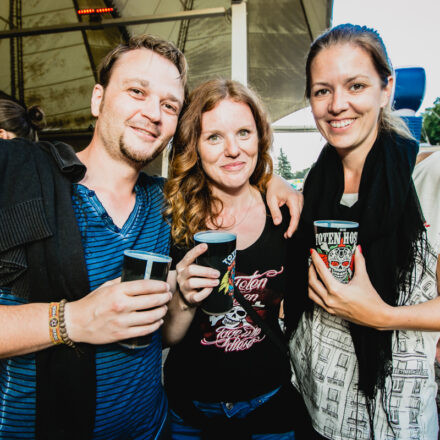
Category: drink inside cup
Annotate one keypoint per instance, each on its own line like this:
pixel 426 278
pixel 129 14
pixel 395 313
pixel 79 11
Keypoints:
pixel 336 242
pixel 139 265
pixel 221 256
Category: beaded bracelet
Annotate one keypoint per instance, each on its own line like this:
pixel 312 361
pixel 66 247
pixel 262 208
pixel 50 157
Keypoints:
pixel 54 323
pixel 63 331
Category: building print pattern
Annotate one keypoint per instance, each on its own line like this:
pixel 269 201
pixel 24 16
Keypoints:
pixel 338 411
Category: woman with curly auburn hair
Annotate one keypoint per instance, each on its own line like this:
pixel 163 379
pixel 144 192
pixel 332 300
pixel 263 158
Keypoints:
pixel 188 181
pixel 223 375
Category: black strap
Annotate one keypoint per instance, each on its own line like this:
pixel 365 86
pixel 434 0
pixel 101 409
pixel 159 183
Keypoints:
pixel 281 345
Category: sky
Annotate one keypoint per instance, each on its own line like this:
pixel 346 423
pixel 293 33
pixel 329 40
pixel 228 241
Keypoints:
pixel 410 30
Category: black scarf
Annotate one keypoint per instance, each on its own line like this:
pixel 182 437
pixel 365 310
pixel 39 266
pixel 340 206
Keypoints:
pixel 390 228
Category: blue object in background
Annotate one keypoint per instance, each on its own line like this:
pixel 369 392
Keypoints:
pixel 408 96
pixel 410 88
pixel 414 123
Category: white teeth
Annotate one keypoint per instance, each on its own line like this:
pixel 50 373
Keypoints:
pixel 340 124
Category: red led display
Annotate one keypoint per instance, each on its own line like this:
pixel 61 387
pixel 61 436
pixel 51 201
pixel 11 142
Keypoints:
pixel 94 11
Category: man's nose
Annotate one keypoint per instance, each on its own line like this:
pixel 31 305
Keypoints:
pixel 151 109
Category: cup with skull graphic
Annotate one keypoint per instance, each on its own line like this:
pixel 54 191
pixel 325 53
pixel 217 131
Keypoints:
pixel 336 242
pixel 221 256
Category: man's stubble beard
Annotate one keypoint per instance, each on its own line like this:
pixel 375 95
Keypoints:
pixel 137 158
pixel 128 155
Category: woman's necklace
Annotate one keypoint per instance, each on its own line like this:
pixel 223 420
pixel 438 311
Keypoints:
pixel 235 224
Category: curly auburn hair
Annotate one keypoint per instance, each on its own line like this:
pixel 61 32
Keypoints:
pixel 191 203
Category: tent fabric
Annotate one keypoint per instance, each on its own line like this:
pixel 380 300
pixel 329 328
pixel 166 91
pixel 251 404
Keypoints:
pixel 57 71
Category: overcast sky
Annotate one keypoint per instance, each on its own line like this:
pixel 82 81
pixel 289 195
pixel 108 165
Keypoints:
pixel 411 32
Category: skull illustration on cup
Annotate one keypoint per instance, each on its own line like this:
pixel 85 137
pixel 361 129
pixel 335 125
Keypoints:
pixel 336 243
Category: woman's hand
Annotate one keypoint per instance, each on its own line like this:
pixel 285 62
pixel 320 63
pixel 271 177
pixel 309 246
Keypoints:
pixel 195 282
pixel 280 192
pixel 357 301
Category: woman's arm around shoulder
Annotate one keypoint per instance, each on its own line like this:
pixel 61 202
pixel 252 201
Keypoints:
pixel 279 193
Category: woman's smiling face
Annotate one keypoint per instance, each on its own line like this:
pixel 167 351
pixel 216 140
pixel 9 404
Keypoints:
pixel 228 145
pixel 347 96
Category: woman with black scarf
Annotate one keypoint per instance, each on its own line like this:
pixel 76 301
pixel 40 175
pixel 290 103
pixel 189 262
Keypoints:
pixel 360 358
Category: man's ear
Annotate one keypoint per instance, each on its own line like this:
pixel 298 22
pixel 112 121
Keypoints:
pixel 97 98
pixel 6 134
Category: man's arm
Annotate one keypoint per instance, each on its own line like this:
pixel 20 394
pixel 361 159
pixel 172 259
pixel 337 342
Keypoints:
pixel 24 329
pixel 280 192
pixel 113 312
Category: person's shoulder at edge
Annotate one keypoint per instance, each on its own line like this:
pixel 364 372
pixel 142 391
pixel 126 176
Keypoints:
pixel 8 146
pixel 429 160
pixel 17 155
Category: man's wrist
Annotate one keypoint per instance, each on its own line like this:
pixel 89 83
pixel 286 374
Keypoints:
pixel 71 328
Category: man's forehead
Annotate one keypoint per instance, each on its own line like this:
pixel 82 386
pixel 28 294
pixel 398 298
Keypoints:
pixel 148 67
pixel 145 60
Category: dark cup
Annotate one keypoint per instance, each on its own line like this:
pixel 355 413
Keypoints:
pixel 220 255
pixel 336 242
pixel 140 265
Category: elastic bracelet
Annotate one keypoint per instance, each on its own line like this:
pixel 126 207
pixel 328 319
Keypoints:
pixel 63 330
pixel 54 323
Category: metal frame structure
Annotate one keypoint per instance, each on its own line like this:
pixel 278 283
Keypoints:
pixel 126 21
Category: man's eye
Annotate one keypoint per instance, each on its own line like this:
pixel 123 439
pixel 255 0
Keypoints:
pixel 170 108
pixel 136 92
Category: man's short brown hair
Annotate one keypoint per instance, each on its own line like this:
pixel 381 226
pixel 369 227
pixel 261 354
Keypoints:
pixel 162 47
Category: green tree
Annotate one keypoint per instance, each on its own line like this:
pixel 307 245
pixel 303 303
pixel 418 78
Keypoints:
pixel 283 168
pixel 301 174
pixel 431 124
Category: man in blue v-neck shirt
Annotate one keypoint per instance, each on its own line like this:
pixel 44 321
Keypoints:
pixel 137 102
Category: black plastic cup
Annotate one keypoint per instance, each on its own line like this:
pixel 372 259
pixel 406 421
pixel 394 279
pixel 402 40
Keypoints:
pixel 140 265
pixel 336 242
pixel 220 255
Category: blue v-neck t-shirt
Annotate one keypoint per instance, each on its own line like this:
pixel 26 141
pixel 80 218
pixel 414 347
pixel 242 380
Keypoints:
pixel 130 401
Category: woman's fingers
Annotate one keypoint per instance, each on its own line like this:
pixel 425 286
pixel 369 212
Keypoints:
pixel 194 284
pixel 191 256
pixel 360 268
pixel 317 300
pixel 201 295
pixel 195 270
pixel 322 270
pixel 295 205
pixel 317 287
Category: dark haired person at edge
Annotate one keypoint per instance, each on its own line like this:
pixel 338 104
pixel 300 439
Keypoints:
pixel 16 121
pixel 65 221
pixel 363 354
pixel 224 377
